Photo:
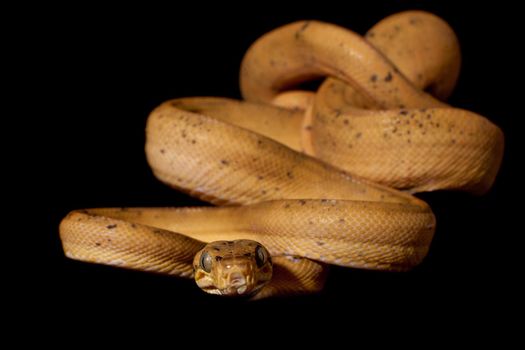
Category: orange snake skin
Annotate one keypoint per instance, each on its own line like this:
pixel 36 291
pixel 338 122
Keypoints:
pixel 317 178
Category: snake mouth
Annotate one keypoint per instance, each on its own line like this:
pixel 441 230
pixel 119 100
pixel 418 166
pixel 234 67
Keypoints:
pixel 241 289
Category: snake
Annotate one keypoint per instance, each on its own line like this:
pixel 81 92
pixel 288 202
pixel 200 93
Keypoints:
pixel 301 180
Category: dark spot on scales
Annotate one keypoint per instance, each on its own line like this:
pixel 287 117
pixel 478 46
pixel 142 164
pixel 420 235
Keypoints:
pixel 162 150
pixel 225 162
pixel 111 226
pixel 302 202
pixel 358 135
pixel 373 78
pixel 218 258
pixel 289 174
pixel 403 112
pixel 97 244
pixel 388 77
pixel 302 29
pixel 260 177
pixel 248 254
pixel 217 248
pixel 320 243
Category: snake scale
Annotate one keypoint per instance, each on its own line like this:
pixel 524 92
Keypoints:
pixel 303 180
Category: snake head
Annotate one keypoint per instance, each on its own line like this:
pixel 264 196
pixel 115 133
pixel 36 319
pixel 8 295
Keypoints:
pixel 232 268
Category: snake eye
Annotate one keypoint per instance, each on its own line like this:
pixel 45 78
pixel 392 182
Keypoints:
pixel 261 256
pixel 205 262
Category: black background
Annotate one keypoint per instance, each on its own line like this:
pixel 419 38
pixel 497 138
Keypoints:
pixel 94 74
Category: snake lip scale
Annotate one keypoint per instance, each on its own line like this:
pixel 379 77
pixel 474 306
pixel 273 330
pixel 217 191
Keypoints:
pixel 302 180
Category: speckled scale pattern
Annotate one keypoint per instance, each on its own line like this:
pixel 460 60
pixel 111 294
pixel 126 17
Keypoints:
pixel 423 47
pixel 231 165
pixel 371 117
pixel 89 236
pixel 146 239
pixel 417 149
pixel 369 122
pixel 310 48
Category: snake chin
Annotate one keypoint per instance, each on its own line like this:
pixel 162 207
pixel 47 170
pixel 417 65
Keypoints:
pixel 246 289
pixel 238 287
pixel 237 290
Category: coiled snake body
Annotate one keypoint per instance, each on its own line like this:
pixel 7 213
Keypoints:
pixel 303 180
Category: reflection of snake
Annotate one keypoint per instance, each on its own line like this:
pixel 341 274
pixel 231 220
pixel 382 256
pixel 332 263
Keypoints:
pixel 370 119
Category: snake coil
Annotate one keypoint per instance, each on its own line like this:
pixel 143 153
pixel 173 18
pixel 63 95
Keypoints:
pixel 303 180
